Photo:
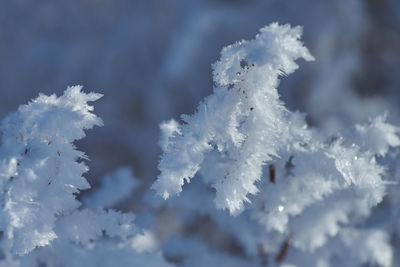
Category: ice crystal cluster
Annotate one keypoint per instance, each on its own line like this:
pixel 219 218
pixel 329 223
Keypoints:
pixel 41 174
pixel 301 184
pixel 296 195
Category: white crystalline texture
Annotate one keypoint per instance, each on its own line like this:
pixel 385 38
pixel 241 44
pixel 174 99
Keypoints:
pixel 312 185
pixel 236 130
pixel 38 165
pixel 40 177
pixel 311 191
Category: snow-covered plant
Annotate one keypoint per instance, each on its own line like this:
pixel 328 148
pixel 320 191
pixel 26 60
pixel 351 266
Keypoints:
pixel 41 174
pixel 301 196
pixel 304 183
pixel 40 171
pixel 241 126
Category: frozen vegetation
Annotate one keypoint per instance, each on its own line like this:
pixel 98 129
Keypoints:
pixel 291 160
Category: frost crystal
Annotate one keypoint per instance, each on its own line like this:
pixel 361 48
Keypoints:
pixel 41 173
pixel 311 186
pixel 236 130
pixel 39 165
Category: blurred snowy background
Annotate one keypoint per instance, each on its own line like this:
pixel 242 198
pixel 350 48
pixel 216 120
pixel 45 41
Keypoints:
pixel 152 61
